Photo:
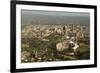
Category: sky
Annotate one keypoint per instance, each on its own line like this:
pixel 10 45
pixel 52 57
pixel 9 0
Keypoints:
pixel 54 17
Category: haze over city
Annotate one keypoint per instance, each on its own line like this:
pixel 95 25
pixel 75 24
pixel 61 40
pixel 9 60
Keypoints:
pixel 54 17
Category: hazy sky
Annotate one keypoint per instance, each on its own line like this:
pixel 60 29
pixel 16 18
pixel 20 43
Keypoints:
pixel 53 17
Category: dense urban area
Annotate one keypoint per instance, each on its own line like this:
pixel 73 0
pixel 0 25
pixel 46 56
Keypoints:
pixel 54 42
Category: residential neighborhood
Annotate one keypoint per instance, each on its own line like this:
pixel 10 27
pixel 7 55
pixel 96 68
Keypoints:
pixel 54 42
